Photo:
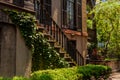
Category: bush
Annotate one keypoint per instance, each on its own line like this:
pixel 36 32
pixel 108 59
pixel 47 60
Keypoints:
pixel 57 74
pixel 94 70
pixel 14 78
pixel 75 73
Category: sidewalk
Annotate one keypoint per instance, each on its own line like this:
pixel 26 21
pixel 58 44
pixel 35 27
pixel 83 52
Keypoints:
pixel 115 76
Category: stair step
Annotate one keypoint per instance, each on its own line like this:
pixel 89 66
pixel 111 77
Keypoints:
pixel 67 55
pixel 52 42
pixel 72 64
pixel 37 22
pixel 57 48
pixel 62 54
pixel 40 29
pixel 67 58
pixel 47 36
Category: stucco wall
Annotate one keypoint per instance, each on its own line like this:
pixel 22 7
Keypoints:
pixel 23 56
pixel 7 50
pixel 15 58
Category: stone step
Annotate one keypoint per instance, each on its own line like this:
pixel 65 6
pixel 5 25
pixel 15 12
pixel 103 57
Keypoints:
pixel 72 64
pixel 47 36
pixel 52 42
pixel 37 22
pixel 57 48
pixel 62 54
pixel 67 58
pixel 40 29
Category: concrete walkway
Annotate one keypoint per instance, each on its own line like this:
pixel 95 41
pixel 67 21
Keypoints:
pixel 115 76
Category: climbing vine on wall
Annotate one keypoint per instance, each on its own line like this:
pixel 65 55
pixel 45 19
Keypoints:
pixel 43 55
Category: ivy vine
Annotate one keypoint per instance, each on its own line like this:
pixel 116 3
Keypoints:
pixel 43 55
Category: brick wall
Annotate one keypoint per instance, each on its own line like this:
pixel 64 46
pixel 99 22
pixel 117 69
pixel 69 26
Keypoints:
pixel 7 52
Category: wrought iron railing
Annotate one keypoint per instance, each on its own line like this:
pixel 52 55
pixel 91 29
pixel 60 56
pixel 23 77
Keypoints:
pixel 57 33
pixel 80 58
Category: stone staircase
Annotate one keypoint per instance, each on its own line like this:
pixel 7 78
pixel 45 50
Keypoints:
pixel 56 45
pixel 57 38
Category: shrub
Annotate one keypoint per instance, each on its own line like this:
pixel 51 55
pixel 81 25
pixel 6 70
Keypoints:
pixel 75 73
pixel 19 78
pixel 14 78
pixel 94 70
pixel 57 74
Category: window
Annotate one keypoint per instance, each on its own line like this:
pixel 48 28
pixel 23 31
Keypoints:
pixel 68 14
pixel 47 4
pixel 79 15
pixel 72 14
pixel 18 2
pixel 43 11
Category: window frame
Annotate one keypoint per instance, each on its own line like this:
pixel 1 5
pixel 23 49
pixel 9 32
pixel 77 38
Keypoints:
pixel 77 15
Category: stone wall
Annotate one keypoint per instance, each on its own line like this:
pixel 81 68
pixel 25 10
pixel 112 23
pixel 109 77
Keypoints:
pixel 15 58
pixel 113 64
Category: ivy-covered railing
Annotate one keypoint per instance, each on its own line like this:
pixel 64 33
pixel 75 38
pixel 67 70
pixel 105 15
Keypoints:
pixel 57 33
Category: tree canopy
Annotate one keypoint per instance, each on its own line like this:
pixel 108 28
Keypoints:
pixel 107 20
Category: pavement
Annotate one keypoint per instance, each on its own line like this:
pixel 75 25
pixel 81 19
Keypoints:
pixel 115 76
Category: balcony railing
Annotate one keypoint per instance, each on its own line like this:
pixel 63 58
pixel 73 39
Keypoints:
pixel 57 33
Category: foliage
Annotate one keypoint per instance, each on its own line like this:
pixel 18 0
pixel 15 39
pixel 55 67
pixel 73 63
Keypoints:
pixel 88 8
pixel 57 74
pixel 14 78
pixel 47 57
pixel 94 70
pixel 89 23
pixel 74 73
pixel 107 19
pixel 43 55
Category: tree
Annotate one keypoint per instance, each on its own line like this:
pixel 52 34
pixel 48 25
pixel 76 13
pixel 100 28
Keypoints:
pixel 107 20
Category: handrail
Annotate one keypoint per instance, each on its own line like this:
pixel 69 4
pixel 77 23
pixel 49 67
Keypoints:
pixel 57 33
